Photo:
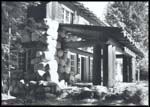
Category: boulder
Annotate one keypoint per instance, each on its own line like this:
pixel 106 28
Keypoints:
pixel 60 53
pixel 58 45
pixel 99 91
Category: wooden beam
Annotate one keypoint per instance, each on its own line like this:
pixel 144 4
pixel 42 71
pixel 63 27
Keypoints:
pixel 97 65
pixel 116 44
pixel 78 44
pixel 80 32
pixel 119 56
pixel 81 52
pixel 128 51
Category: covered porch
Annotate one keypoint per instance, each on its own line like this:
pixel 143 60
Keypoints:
pixel 109 44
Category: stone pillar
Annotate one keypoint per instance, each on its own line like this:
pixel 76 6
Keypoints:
pixel 97 65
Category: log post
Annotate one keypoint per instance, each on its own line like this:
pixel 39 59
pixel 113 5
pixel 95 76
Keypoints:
pixel 130 69
pixel 134 69
pixel 125 73
pixel 105 65
pixel 97 65
pixel 108 65
pixel 89 72
pixel 138 74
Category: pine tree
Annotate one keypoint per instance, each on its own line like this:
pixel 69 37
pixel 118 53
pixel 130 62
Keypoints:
pixel 133 18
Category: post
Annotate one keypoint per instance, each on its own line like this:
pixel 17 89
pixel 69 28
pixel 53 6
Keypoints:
pixel 134 69
pixel 125 73
pixel 105 65
pixel 138 75
pixel 108 65
pixel 130 69
pixel 9 61
pixel 97 65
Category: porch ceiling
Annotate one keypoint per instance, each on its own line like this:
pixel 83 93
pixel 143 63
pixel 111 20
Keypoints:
pixel 89 32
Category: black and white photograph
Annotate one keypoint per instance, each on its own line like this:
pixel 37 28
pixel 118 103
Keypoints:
pixel 72 53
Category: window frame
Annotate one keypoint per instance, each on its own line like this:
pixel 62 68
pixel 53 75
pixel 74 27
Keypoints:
pixel 64 14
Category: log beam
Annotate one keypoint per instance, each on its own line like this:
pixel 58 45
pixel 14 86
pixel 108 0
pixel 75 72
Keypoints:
pixel 79 44
pixel 115 43
pixel 81 52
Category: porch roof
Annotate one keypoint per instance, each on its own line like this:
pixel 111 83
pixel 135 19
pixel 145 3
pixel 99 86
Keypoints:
pixel 90 32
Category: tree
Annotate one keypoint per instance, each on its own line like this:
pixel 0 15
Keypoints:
pixel 16 25
pixel 133 18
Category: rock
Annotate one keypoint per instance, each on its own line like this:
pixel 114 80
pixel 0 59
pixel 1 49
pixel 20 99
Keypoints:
pixel 47 89
pixel 57 59
pixel 41 72
pixel 62 33
pixel 58 45
pixel 83 93
pixel 60 53
pixel 49 55
pixel 53 70
pixel 62 62
pixel 52 44
pixel 39 53
pixel 99 92
pixel 36 60
pixel 50 96
pixel 64 95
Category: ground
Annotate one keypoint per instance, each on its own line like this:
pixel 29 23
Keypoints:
pixel 121 94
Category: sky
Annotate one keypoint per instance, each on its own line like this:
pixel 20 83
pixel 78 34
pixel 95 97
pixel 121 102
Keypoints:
pixel 97 8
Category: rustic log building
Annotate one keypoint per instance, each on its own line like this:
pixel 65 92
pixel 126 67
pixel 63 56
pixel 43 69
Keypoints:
pixel 80 45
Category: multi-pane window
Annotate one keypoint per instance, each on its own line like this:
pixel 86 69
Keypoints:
pixel 21 61
pixel 63 15
pixel 17 60
pixel 72 60
pixel 79 63
pixel 67 15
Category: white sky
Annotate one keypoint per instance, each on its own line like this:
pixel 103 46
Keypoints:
pixel 97 7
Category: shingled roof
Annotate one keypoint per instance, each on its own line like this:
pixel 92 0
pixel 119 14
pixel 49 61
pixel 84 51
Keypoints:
pixel 127 41
pixel 87 12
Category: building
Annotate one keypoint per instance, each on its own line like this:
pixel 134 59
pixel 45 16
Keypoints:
pixel 80 45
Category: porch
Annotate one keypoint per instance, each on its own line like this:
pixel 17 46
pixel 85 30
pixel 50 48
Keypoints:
pixel 109 44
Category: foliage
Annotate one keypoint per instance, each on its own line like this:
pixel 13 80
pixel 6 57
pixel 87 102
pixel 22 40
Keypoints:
pixel 133 18
pixel 14 18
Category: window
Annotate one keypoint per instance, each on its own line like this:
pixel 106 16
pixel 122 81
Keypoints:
pixel 67 15
pixel 17 60
pixel 21 61
pixel 79 63
pixel 72 63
